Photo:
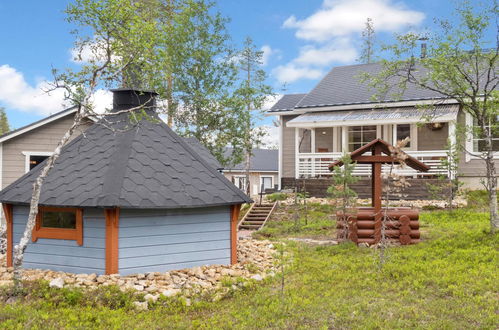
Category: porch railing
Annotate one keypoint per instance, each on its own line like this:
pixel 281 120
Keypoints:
pixel 316 164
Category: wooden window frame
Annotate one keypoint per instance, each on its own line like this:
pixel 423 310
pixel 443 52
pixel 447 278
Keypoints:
pixel 75 234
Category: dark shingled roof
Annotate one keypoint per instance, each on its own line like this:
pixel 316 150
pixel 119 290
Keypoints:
pixel 203 152
pixel 141 166
pixel 262 160
pixel 342 86
pixel 287 102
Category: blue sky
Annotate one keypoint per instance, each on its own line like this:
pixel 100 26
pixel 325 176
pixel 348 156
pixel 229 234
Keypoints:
pixel 302 40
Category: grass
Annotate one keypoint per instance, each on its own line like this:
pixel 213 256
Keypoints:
pixel 316 221
pixel 449 281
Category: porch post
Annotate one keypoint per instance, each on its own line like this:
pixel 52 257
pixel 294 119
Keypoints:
pixel 452 141
pixel 394 134
pixel 281 132
pixel 312 150
pixel 377 194
pixel 297 153
pixel 335 140
pixel 344 139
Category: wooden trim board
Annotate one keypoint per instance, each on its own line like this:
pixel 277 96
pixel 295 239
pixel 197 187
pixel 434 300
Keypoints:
pixel 112 230
pixel 234 216
pixel 7 210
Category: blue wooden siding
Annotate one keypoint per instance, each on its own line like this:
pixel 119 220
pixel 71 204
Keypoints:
pixel 161 240
pixel 66 255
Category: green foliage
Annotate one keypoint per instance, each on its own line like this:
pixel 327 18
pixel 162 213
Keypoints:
pixel 478 199
pixel 4 122
pixel 449 281
pixel 368 40
pixel 291 221
pixel 277 196
pixel 449 184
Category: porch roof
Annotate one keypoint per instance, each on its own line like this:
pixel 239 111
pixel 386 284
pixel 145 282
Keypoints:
pixel 403 115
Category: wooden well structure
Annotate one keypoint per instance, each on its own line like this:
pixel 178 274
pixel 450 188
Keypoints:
pixel 365 226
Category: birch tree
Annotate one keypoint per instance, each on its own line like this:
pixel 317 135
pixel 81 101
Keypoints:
pixel 117 26
pixel 461 65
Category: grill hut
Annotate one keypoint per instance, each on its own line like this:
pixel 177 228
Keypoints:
pixel 128 196
pixel 365 226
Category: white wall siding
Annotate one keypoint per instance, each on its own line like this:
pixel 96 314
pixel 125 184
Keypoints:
pixel 66 255
pixel 162 240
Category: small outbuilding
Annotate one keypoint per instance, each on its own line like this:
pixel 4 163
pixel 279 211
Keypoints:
pixel 127 196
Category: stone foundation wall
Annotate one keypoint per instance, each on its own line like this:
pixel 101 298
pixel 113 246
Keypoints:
pixel 417 190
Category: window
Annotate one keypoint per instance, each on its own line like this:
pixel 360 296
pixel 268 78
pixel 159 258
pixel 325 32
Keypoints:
pixel 35 160
pixel 239 181
pixel 403 131
pixel 266 182
pixel 360 135
pixel 59 223
pixel 479 144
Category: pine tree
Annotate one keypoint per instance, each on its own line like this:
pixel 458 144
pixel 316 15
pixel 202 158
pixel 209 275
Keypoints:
pixel 368 39
pixel 250 97
pixel 344 196
pixel 4 122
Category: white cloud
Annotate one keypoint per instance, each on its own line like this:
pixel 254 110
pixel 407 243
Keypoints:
pixel 16 93
pixel 331 31
pixel 271 139
pixel 344 17
pixel 102 100
pixel 290 72
pixel 267 53
pixel 270 101
pixel 338 51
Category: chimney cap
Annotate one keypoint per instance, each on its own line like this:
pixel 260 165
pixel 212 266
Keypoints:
pixel 127 89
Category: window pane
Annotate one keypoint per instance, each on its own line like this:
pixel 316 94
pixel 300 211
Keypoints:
pixel 35 160
pixel 267 183
pixel 404 131
pixel 59 219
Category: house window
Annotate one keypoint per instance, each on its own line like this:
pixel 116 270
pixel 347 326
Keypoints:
pixel 479 144
pixel 59 223
pixel 266 182
pixel 35 160
pixel 239 181
pixel 404 131
pixel 360 135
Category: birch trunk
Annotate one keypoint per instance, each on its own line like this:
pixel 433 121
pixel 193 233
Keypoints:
pixel 35 198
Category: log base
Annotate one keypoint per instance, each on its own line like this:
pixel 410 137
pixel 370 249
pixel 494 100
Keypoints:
pixel 401 224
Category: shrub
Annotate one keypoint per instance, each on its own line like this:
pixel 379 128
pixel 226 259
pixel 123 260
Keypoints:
pixel 277 197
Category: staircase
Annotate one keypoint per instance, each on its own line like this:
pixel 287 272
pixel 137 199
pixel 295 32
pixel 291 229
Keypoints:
pixel 257 216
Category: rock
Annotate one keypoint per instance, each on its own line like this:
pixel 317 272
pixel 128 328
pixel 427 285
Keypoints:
pixel 92 277
pixel 101 279
pixel 138 287
pixel 188 302
pixel 170 292
pixel 150 297
pixel 141 306
pixel 57 283
pixel 257 277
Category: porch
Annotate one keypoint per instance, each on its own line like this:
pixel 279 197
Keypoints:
pixel 322 138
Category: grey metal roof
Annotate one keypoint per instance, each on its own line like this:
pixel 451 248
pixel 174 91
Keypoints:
pixel 141 166
pixel 262 160
pixel 440 112
pixel 343 85
pixel 287 102
pixel 203 152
